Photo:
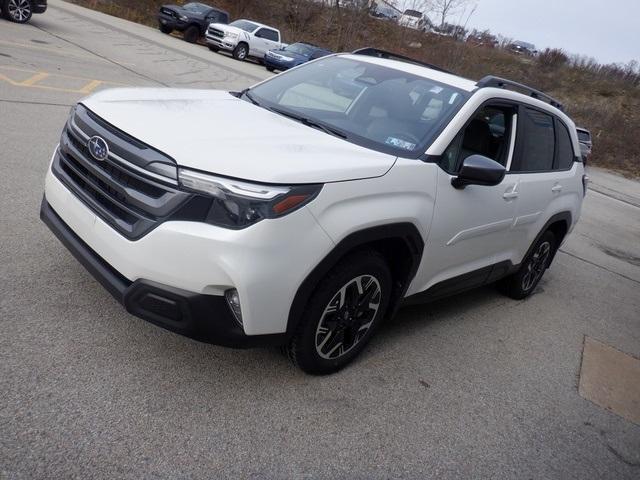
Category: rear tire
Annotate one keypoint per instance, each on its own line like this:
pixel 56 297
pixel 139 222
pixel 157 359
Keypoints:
pixel 522 283
pixel 191 34
pixel 165 29
pixel 342 314
pixel 17 11
pixel 241 52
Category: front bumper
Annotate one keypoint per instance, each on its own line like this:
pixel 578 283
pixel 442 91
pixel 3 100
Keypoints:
pixel 203 317
pixel 171 22
pixel 221 43
pixel 261 262
pixel 277 64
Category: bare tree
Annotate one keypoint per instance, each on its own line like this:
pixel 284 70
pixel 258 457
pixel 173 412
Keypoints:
pixel 445 8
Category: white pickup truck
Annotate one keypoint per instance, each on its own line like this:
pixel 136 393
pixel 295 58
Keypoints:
pixel 243 38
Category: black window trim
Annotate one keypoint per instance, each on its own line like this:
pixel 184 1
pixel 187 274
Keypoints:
pixel 519 106
pixel 491 102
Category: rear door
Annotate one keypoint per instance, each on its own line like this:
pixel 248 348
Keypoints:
pixel 542 184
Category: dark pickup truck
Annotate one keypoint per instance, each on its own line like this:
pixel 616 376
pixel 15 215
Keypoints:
pixel 21 11
pixel 192 19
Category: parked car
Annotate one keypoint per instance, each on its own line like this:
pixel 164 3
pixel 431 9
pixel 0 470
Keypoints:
pixel 412 19
pixel 293 55
pixel 384 12
pixel 482 39
pixel 523 48
pixel 243 38
pixel 586 143
pixel 21 11
pixel 318 213
pixel 192 19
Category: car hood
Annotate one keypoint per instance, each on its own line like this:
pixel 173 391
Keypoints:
pixel 216 132
pixel 230 28
pixel 296 56
pixel 181 11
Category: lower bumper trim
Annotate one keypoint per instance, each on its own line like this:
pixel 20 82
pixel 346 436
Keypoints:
pixel 206 318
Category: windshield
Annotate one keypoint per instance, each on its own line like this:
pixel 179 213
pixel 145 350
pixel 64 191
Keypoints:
pixel 245 25
pixel 196 7
pixel 377 107
pixel 584 136
pixel 300 48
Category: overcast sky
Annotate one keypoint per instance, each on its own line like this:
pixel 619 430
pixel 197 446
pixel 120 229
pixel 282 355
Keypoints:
pixel 608 30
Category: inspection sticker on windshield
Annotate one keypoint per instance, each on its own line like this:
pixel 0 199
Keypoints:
pixel 399 143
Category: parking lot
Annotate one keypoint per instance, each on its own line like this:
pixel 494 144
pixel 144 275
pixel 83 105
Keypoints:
pixel 476 386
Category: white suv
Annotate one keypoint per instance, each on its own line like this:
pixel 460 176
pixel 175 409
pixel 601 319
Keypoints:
pixel 304 210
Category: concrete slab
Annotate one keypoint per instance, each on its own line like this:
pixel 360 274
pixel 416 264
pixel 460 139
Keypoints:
pixel 611 379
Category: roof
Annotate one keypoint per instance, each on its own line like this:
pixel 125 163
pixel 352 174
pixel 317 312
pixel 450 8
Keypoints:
pixel 420 71
pixel 255 23
pixel 413 13
pixel 538 98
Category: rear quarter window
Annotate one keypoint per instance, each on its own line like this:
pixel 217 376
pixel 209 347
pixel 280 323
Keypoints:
pixel 566 155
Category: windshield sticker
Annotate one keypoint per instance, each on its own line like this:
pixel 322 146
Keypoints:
pixel 436 90
pixel 399 143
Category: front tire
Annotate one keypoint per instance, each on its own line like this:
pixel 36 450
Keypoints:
pixel 241 51
pixel 191 34
pixel 270 69
pixel 213 48
pixel 342 314
pixel 522 283
pixel 17 11
pixel 165 29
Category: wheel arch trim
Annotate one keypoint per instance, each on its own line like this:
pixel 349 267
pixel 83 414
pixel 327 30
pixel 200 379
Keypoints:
pixel 407 232
pixel 561 217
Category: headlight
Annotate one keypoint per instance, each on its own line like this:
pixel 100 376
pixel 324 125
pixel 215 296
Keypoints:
pixel 286 59
pixel 238 204
pixel 183 18
pixel 230 35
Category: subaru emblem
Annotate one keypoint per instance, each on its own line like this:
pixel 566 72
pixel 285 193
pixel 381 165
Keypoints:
pixel 98 148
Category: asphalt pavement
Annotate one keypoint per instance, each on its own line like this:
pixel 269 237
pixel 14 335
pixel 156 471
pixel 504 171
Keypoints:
pixel 478 386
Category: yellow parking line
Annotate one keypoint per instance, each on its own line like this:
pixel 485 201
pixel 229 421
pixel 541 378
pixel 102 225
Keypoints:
pixel 91 86
pixel 34 79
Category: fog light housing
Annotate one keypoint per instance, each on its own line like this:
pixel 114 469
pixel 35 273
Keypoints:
pixel 233 300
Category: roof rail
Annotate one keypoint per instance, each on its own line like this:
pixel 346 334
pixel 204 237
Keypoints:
pixel 376 52
pixel 497 82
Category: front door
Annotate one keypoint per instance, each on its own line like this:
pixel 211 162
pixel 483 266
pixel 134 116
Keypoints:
pixel 472 227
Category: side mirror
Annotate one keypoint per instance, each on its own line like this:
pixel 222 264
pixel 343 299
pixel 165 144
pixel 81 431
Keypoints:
pixel 479 170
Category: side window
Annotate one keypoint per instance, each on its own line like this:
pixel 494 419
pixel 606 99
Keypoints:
pixel 267 34
pixel 537 139
pixel 487 134
pixel 566 155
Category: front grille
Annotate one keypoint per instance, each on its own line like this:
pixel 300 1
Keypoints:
pixel 215 32
pixel 120 189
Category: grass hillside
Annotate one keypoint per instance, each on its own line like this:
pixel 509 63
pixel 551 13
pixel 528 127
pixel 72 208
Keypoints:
pixel 603 98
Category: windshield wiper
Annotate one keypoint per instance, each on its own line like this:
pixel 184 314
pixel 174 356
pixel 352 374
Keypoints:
pixel 250 97
pixel 311 123
pixel 304 120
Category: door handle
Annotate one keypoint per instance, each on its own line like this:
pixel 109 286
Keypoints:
pixel 510 195
pixel 556 188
